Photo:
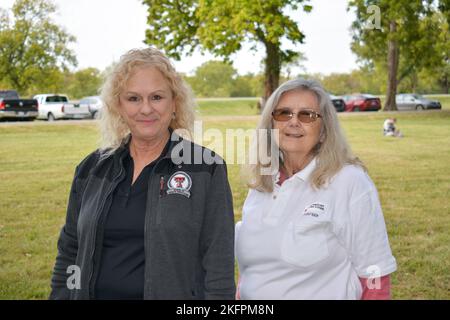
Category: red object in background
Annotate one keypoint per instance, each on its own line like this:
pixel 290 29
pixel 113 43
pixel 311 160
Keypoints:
pixel 382 293
pixel 362 103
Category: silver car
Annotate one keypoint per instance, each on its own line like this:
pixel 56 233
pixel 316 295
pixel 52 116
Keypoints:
pixel 94 103
pixel 410 101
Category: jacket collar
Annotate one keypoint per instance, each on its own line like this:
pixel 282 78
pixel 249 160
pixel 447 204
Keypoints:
pixel 174 140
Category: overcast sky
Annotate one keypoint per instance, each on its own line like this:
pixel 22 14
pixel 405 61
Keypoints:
pixel 105 29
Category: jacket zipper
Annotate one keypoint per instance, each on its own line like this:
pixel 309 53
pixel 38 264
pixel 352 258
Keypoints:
pixel 97 218
pixel 149 201
pixel 161 186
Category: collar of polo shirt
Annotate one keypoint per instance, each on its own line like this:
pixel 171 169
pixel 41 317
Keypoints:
pixel 302 174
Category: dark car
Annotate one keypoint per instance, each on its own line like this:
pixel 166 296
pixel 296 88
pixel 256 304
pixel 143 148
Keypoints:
pixel 14 108
pixel 362 102
pixel 338 102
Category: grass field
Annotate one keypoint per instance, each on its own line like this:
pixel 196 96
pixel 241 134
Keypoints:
pixel 231 107
pixel 412 175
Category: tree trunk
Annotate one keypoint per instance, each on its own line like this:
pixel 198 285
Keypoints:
pixel 414 82
pixel 445 84
pixel 393 68
pixel 272 70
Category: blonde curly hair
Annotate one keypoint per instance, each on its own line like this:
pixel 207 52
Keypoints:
pixel 113 129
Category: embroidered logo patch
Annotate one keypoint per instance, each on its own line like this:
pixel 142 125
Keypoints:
pixel 314 210
pixel 180 183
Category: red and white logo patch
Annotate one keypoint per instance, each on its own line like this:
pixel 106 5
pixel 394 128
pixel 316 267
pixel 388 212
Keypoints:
pixel 180 183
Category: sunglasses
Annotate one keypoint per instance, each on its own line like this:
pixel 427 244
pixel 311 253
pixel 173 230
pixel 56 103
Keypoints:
pixel 305 116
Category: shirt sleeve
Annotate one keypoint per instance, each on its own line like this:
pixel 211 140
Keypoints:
pixel 369 247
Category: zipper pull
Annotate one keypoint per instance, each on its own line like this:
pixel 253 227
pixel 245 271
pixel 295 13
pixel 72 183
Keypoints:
pixel 161 186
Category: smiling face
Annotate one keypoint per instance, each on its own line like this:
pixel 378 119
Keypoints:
pixel 297 139
pixel 146 104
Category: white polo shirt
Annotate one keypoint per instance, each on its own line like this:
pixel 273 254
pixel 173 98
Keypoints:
pixel 302 243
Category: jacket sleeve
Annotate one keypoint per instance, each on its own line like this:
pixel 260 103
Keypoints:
pixel 67 247
pixel 217 238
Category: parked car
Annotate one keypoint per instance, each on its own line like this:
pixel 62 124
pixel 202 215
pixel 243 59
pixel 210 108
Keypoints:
pixel 362 102
pixel 410 101
pixel 53 107
pixel 94 104
pixel 12 107
pixel 338 102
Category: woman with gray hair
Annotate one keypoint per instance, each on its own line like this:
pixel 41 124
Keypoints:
pixel 147 218
pixel 312 228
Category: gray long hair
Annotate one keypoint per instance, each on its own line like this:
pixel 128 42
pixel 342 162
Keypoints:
pixel 332 152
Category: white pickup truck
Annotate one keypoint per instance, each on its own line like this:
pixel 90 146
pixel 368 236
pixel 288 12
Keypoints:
pixel 54 106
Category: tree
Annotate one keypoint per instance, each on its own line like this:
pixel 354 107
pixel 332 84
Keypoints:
pixel 444 7
pixel 85 82
pixel 222 26
pixel 441 65
pixel 33 48
pixel 399 43
pixel 213 79
pixel 294 63
pixel 242 86
pixel 341 83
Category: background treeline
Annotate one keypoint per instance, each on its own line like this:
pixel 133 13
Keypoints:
pixel 35 55
pixel 220 79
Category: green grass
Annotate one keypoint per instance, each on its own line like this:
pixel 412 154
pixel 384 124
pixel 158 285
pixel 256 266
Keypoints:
pixel 412 175
pixel 227 107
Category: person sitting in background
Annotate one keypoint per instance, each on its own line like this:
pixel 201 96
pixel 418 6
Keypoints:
pixel 389 129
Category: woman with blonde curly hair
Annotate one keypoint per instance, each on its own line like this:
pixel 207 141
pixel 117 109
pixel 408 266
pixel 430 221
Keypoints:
pixel 146 219
pixel 312 226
